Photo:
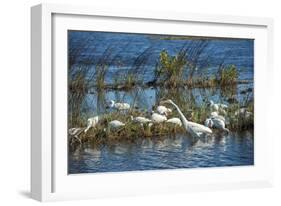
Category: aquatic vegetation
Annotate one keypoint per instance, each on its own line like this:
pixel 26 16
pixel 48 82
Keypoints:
pixel 124 82
pixel 227 75
pixel 78 82
pixel 133 130
pixel 170 69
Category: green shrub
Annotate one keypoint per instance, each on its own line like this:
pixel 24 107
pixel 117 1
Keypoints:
pixel 228 75
pixel 170 69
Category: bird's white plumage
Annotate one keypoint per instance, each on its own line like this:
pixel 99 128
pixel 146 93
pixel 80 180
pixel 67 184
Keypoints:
pixel 163 110
pixel 141 120
pixel 242 112
pixel 75 132
pixel 115 124
pixel 175 120
pixel 195 129
pixel 119 106
pixel 217 116
pixel 158 118
pixel 218 123
pixel 218 107
pixel 92 122
pixel 209 123
pixel 199 128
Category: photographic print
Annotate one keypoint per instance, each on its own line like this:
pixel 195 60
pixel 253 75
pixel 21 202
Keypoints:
pixel 150 102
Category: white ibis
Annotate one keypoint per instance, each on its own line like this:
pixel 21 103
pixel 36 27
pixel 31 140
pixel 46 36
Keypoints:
pixel 92 122
pixel 209 123
pixel 163 110
pixel 219 124
pixel 75 132
pixel 218 107
pixel 242 112
pixel 119 105
pixel 141 120
pixel 158 118
pixel 115 124
pixel 216 115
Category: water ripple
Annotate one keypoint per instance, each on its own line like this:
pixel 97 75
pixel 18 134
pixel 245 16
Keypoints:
pixel 170 153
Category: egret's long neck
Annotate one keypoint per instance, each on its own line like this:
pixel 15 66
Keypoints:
pixel 180 113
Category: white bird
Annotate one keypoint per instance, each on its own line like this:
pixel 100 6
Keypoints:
pixel 75 132
pixel 158 118
pixel 115 124
pixel 216 115
pixel 163 110
pixel 119 106
pixel 175 120
pixel 219 124
pixel 92 122
pixel 218 107
pixel 141 120
pixel 209 123
pixel 242 112
pixel 195 129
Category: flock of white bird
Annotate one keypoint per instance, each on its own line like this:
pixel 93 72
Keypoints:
pixel 196 130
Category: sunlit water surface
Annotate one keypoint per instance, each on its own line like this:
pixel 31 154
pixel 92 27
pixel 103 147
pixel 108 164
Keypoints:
pixel 236 149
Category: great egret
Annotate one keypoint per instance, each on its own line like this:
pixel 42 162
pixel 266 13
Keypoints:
pixel 92 122
pixel 163 110
pixel 195 129
pixel 119 106
pixel 158 118
pixel 75 132
pixel 175 120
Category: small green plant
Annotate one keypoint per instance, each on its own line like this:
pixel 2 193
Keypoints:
pixel 100 76
pixel 228 75
pixel 170 69
pixel 130 80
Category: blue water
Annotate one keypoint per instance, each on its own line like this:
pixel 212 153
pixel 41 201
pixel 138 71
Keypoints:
pixel 125 48
pixel 168 153
pixel 236 149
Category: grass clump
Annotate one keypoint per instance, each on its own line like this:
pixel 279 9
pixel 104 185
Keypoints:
pixel 130 80
pixel 170 69
pixel 228 75
pixel 130 132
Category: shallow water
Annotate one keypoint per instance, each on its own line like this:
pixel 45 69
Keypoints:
pixel 236 149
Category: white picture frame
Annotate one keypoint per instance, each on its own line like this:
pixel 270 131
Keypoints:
pixel 49 180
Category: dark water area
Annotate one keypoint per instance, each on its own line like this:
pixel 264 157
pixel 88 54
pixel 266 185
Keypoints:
pixel 236 149
pixel 125 49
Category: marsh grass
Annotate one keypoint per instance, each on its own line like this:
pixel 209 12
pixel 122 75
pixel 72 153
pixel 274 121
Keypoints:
pixel 170 69
pixel 132 131
pixel 227 75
